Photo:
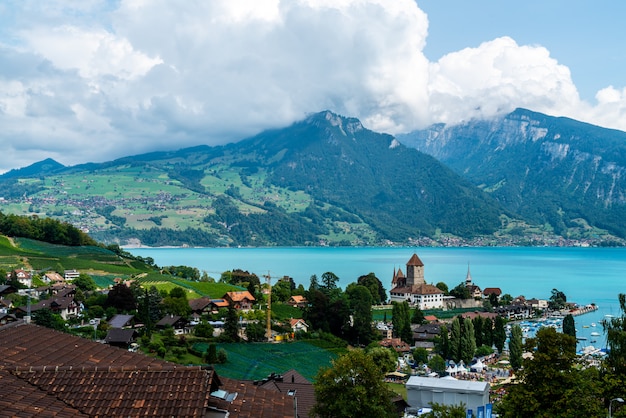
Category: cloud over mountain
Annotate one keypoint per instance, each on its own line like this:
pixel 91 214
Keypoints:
pixel 91 81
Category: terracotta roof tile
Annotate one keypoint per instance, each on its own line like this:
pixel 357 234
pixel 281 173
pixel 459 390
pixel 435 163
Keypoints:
pixel 415 261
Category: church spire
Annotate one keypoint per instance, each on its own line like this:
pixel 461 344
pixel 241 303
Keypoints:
pixel 468 278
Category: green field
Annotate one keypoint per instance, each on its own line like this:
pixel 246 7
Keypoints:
pixel 255 361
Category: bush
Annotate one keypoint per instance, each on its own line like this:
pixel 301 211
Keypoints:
pixel 222 357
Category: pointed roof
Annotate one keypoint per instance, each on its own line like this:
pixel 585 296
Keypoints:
pixel 397 275
pixel 468 277
pixel 415 261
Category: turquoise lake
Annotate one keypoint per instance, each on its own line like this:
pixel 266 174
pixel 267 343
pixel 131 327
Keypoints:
pixel 585 275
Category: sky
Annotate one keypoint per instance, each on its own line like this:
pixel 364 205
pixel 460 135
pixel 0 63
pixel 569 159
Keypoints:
pixel 94 80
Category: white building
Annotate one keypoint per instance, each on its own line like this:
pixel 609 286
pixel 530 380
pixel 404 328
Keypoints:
pixel 413 288
pixel 422 392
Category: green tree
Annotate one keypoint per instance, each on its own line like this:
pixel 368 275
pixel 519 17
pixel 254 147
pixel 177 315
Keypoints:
pixel 569 325
pixel 85 282
pixel 401 321
pixel 443 287
pixel 47 318
pixel 314 283
pixel 121 298
pixel 353 386
pixel 231 326
pixel 329 282
pixel 211 354
pixel 437 364
pixel 420 355
pixel 446 411
pixel 442 343
pixel 281 291
pixel 384 357
pixel 549 384
pixel 203 330
pixel 478 330
pixel 499 334
pixel 375 286
pixel 515 347
pixel 418 316
pixel 460 291
pixel 467 347
pixel 455 339
pixel 506 299
pixel 176 306
pixel 255 331
pixel 360 302
pixel 493 300
pixel 557 300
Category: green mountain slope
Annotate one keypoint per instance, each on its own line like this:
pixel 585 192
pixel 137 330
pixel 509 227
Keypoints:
pixel 549 170
pixel 325 180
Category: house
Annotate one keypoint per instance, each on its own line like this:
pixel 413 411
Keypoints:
pixel 96 380
pixel 7 289
pixel 294 385
pixel 426 332
pixel 200 306
pixel 242 300
pixel 5 305
pixel 397 344
pixel 413 287
pixel 538 304
pixel 71 275
pixel 23 276
pixel 61 303
pixel 385 330
pixel 422 392
pixel 177 322
pixel 298 325
pixel 472 315
pixel 217 304
pixel 6 318
pixel 122 321
pixel 52 278
pixel 492 290
pixel 119 337
pixel 297 301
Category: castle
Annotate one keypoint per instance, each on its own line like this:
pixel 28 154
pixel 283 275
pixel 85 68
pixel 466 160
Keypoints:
pixel 413 288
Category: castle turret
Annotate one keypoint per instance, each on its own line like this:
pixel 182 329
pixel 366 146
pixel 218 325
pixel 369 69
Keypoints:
pixel 415 271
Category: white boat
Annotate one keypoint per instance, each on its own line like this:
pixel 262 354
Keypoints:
pixel 595 334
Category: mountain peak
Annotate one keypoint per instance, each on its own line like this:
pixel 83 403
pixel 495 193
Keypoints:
pixel 345 124
pixel 36 169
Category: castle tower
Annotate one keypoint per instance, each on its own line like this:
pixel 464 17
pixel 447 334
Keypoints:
pixel 415 271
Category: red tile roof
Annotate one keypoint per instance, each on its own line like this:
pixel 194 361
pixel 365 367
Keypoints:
pixel 54 374
pixel 415 261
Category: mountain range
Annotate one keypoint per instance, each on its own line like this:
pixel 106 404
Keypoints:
pixel 524 178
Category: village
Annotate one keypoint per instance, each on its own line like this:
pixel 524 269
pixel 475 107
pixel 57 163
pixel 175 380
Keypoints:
pixel 122 330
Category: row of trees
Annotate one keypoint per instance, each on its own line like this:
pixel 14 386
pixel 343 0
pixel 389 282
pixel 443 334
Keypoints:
pixel 43 229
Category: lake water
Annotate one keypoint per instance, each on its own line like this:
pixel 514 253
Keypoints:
pixel 585 275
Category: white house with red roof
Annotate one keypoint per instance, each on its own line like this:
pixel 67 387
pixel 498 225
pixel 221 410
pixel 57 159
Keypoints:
pixel 413 287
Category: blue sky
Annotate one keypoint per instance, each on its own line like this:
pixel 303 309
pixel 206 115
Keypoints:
pixel 588 37
pixel 93 80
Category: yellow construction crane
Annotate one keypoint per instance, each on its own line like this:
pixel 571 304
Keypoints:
pixel 268 280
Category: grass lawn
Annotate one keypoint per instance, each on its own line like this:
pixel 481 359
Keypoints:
pixel 254 361
pixel 399 388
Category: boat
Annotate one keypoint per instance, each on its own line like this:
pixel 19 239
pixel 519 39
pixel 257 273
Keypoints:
pixel 595 334
pixel 585 326
pixel 581 338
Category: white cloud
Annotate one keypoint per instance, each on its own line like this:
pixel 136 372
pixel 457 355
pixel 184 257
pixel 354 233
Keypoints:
pixel 137 75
